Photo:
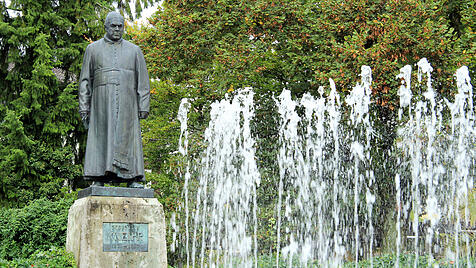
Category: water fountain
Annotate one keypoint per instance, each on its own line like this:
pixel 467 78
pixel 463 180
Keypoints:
pixel 224 217
pixel 331 176
pixel 438 155
pixel 325 195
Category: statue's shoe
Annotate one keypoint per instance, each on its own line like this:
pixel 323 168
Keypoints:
pixel 97 183
pixel 135 184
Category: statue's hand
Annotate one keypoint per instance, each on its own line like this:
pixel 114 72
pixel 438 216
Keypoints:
pixel 143 115
pixel 85 118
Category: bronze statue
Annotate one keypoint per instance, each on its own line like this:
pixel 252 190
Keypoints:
pixel 114 93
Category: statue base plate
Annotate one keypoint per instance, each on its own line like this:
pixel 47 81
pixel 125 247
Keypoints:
pixel 116 191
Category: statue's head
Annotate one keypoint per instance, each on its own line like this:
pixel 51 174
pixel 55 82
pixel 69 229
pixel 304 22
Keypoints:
pixel 114 26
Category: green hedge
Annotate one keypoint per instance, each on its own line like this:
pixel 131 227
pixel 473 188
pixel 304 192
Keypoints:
pixel 387 260
pixel 34 228
pixel 408 260
pixel 54 257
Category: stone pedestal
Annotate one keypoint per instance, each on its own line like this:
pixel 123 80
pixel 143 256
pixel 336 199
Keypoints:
pixel 117 231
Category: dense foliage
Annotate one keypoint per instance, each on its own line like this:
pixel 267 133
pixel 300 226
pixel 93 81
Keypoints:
pixel 387 260
pixel 220 45
pixel 53 257
pixel 37 226
pixel 42 44
pixel 409 260
pixel 160 137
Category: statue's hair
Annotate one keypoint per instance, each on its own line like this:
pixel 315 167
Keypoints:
pixel 111 15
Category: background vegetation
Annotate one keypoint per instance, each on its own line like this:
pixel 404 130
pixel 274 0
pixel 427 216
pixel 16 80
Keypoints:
pixel 203 49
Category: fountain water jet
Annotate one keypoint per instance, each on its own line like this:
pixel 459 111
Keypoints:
pixel 225 220
pixel 437 161
pixel 183 149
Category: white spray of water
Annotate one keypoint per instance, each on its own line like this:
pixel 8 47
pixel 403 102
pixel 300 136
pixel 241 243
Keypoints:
pixel 438 163
pixel 398 197
pixel 318 201
pixel 463 132
pixel 227 188
pixel 361 172
pixel 404 91
pixel 183 150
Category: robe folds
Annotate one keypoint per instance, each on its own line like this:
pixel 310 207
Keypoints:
pixel 114 88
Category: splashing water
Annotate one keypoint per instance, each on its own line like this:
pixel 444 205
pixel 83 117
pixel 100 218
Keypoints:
pixel 183 149
pixel 316 212
pixel 225 222
pixel 326 189
pixel 437 163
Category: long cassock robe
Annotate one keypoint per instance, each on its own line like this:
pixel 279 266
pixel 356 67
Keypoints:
pixel 114 88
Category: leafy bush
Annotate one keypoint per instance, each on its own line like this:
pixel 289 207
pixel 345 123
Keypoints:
pixel 54 257
pixel 265 261
pixel 35 227
pixel 408 260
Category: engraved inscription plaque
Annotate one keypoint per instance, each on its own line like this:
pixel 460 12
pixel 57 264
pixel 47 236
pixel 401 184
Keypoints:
pixel 125 237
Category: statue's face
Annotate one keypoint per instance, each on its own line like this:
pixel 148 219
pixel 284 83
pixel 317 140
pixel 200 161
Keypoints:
pixel 115 28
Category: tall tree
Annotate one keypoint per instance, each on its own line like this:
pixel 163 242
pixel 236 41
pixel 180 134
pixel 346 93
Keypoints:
pixel 301 44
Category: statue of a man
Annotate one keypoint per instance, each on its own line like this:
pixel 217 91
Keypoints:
pixel 114 94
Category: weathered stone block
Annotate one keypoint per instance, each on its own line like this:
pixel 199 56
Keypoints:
pixel 117 232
